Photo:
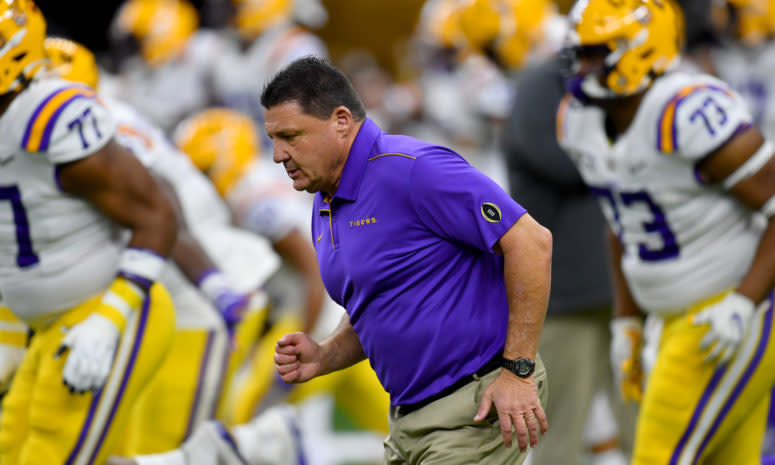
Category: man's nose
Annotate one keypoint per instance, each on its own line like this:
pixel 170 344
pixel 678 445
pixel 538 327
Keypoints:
pixel 279 155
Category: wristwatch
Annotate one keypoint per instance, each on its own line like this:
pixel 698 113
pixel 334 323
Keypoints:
pixel 522 367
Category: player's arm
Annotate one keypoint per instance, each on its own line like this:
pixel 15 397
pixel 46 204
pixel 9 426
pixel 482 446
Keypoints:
pixel 626 328
pixel 115 182
pixel 199 268
pixel 624 303
pixel 296 250
pixel 746 167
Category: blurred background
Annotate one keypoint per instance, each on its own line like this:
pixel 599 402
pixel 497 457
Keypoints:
pixel 483 77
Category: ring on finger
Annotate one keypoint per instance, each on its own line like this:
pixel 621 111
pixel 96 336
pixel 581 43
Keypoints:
pixel 531 417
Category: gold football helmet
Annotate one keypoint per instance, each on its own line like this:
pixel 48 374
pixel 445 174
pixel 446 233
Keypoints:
pixel 22 32
pixel 640 40
pixel 440 22
pixel 221 143
pixel 72 61
pixel 749 21
pixel 253 17
pixel 523 30
pixel 480 22
pixel 161 27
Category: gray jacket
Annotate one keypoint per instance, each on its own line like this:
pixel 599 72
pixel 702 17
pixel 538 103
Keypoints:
pixel 545 181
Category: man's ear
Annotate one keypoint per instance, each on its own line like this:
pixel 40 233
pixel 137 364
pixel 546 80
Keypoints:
pixel 344 119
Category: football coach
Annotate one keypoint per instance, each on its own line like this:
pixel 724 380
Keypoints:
pixel 444 277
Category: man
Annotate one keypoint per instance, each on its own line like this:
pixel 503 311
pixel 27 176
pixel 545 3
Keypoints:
pixel 686 184
pixel 84 234
pixel 408 237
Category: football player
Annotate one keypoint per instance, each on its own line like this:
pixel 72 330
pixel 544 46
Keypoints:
pixel 153 62
pixel 185 391
pixel 85 230
pixel 687 185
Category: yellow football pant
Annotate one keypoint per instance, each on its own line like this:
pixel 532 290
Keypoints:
pixel 186 390
pixel 246 338
pixel 43 423
pixel 694 412
pixel 356 389
pixel 182 393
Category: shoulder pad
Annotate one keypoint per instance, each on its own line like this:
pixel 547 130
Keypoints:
pixel 64 120
pixel 700 118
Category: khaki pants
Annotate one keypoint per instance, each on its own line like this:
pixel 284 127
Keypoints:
pixel 575 349
pixel 444 432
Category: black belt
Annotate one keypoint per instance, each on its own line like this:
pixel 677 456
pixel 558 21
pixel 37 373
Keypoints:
pixel 488 367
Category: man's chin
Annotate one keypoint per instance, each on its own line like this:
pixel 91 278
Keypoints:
pixel 303 186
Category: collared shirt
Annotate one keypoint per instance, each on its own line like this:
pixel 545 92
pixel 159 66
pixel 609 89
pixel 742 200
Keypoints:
pixel 405 246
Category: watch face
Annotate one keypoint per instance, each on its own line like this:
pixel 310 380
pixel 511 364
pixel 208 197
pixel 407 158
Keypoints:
pixel 523 367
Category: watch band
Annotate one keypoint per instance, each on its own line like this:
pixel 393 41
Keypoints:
pixel 522 367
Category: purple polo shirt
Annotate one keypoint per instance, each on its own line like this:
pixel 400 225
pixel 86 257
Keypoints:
pixel 405 246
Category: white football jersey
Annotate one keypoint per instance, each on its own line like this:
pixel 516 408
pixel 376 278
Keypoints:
pixel 247 260
pixel 751 73
pixel 56 250
pixel 264 202
pixel 683 240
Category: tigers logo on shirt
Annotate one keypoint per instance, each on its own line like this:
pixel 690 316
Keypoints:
pixel 491 212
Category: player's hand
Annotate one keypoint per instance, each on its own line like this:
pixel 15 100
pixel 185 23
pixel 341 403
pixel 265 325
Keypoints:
pixel 10 358
pixel 729 321
pixel 297 358
pixel 92 343
pixel 516 401
pixel 626 344
pixel 231 304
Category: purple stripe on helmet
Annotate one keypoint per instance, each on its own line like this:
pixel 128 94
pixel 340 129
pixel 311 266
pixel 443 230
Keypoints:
pixel 764 338
pixel 44 141
pixel 709 389
pixel 35 114
pixel 139 333
pixel 200 380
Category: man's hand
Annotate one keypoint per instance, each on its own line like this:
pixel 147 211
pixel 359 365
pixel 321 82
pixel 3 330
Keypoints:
pixel 518 406
pixel 297 358
pixel 92 343
pixel 729 321
pixel 10 358
pixel 626 344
